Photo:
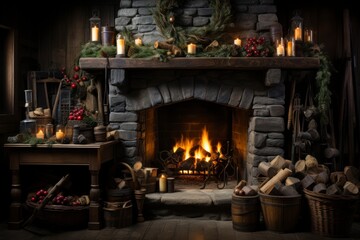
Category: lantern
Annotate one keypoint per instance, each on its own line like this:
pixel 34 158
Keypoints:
pixel 297 27
pixel 120 46
pixel 95 23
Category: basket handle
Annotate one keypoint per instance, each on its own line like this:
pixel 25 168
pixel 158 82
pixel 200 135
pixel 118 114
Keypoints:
pixel 126 204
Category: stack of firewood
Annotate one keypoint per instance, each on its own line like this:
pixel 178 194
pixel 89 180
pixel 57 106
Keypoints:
pixel 283 178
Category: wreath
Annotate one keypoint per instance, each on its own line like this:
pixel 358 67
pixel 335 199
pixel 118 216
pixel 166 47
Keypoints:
pixel 164 16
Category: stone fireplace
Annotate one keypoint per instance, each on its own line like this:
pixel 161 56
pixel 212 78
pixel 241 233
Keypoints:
pixel 245 108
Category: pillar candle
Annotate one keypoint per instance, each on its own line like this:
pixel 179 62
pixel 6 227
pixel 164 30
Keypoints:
pixel 40 134
pixel 237 42
pixel 297 33
pixel 162 183
pixel 60 135
pixel 120 46
pixel 280 51
pixel 94 34
pixel 138 41
pixel 191 48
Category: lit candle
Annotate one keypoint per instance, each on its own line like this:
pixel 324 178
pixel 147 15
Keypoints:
pixel 191 48
pixel 308 35
pixel 120 46
pixel 95 34
pixel 138 41
pixel 162 183
pixel 237 42
pixel 298 33
pixel 280 48
pixel 40 134
pixel 59 135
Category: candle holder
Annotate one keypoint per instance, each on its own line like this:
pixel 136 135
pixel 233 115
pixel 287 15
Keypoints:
pixel 296 29
pixel 95 24
pixel 140 198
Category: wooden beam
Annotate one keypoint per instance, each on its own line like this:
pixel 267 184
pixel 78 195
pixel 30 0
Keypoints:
pixel 250 63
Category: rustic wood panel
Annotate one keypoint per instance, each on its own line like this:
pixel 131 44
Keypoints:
pixel 204 63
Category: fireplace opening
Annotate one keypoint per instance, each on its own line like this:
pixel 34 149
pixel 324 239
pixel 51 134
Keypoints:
pixel 196 140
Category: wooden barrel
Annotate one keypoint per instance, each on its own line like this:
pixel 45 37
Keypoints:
pixel 281 213
pixel 245 212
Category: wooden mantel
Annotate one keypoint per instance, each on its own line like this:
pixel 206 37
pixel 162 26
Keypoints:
pixel 246 63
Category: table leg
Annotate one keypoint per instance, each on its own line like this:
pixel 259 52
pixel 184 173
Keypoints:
pixel 15 211
pixel 94 209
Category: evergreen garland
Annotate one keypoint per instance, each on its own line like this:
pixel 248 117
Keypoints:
pixel 164 18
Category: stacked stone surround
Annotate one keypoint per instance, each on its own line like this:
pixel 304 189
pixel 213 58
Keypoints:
pixel 263 94
pixel 250 17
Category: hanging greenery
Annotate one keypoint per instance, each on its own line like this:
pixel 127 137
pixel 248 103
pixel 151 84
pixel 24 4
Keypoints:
pixel 164 16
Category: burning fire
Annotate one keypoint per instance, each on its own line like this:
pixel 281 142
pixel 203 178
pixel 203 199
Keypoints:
pixel 201 151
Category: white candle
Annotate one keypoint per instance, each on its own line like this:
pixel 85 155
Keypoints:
pixel 191 48
pixel 298 33
pixel 162 183
pixel 95 34
pixel 308 35
pixel 59 135
pixel 280 48
pixel 237 42
pixel 120 46
pixel 138 41
pixel 40 134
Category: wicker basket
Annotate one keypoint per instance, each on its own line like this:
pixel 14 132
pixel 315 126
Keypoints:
pixel 331 215
pixel 61 216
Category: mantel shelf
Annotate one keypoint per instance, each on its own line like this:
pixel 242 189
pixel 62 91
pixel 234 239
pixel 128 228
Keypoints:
pixel 245 63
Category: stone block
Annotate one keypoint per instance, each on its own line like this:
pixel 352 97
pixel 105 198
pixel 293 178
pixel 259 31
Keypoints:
pixel 220 196
pixel 255 160
pixel 118 78
pixel 143 20
pixel 192 197
pixel 224 94
pixel 127 12
pixel 127 135
pixel 144 11
pixel 273 77
pixel 276 110
pixel 212 90
pixel 130 151
pixel 138 100
pixel 196 4
pixel 190 11
pixel 205 11
pixel 123 117
pixel 155 96
pixel 275 142
pixel 247 98
pixel 122 21
pixel 187 87
pixel 261 112
pixel 235 96
pixel 117 103
pixel 266 151
pixel 264 26
pixel 267 124
pixel 200 89
pixel 143 3
pixel 130 126
pixel 129 143
pixel 268 101
pixel 151 37
pixel 164 90
pixel 146 28
pixel 175 91
pixel 257 139
pixel 125 3
pixel 277 91
pixel 267 17
pixel 200 21
pixel 185 21
pixel 262 9
pixel 276 135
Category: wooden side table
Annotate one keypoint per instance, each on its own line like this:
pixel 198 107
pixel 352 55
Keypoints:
pixel 92 155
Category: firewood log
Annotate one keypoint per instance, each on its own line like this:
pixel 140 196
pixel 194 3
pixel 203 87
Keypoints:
pixel 320 188
pixel 338 178
pixel 267 170
pixel 352 174
pixel 307 182
pixel 311 162
pixel 333 189
pixel 289 165
pixel 278 162
pixel 300 166
pixel 288 191
pixel 175 50
pixel 279 177
pixel 292 181
pixel 322 177
pixel 350 188
pixel 331 153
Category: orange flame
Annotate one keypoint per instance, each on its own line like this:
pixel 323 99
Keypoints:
pixel 187 144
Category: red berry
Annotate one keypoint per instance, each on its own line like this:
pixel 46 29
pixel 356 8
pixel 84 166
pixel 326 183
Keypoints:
pixel 76 68
pixel 73 85
pixel 76 76
pixel 83 78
